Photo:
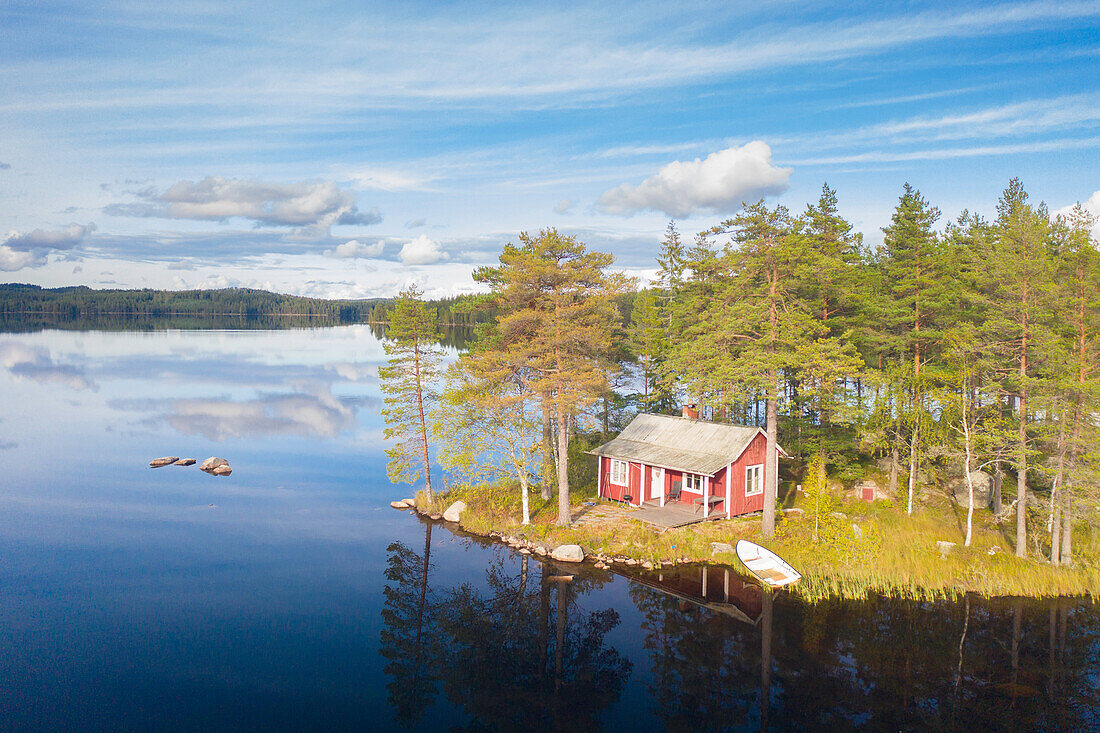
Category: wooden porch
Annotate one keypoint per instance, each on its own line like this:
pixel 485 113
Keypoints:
pixel 672 514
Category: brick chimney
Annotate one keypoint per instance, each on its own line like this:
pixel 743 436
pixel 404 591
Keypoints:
pixel 691 411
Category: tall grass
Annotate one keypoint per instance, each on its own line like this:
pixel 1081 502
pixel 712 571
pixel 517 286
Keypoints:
pixel 896 556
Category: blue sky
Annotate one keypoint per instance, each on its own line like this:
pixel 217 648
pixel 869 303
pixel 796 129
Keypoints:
pixel 347 149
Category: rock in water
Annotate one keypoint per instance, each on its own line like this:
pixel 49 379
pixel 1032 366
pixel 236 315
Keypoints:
pixel 720 547
pixel 185 462
pixel 398 504
pixel 223 470
pixel 454 511
pixel 166 461
pixel 568 553
pixel 211 463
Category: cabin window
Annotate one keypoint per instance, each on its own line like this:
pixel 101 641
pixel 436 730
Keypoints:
pixel 618 472
pixel 693 482
pixel 754 480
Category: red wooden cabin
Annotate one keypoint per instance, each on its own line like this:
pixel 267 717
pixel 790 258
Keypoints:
pixel 660 459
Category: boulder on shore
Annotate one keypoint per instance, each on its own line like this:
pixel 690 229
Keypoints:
pixel 568 553
pixel 211 463
pixel 717 548
pixel 400 504
pixel 454 511
pixel 185 462
pixel 166 461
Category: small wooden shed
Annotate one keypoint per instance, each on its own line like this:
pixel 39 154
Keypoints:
pixel 660 459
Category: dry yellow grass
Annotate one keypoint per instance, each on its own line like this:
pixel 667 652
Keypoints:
pixel 897 555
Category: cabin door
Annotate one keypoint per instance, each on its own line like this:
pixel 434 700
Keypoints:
pixel 656 482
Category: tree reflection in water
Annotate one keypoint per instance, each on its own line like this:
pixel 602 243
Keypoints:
pixel 515 653
pixel 521 650
pixel 1000 664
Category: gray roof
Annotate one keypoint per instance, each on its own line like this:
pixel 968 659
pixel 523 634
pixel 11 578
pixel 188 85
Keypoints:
pixel 680 443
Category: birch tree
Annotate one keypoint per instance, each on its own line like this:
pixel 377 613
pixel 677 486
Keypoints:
pixel 487 424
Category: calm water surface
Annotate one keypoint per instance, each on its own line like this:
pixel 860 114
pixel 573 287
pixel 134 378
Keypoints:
pixel 290 595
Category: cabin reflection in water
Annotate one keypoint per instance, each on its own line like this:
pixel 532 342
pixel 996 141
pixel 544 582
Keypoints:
pixel 713 587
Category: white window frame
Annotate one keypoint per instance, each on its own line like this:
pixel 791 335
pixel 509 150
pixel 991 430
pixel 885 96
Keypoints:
pixel 754 477
pixel 695 479
pixel 619 470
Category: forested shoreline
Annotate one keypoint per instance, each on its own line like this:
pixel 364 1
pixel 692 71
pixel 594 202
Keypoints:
pixel 31 303
pixel 962 352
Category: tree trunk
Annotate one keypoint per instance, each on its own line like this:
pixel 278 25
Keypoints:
pixel 966 471
pixel 564 514
pixel 1055 498
pixel 893 485
pixel 524 493
pixel 423 425
pixel 998 479
pixel 547 451
pixel 1067 527
pixel 1021 482
pixel 913 464
pixel 771 479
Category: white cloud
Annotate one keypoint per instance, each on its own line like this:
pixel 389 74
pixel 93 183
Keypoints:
pixel 422 251
pixel 30 249
pixel 354 249
pixel 214 198
pixel 1092 206
pixel 564 206
pixel 717 184
pixel 379 179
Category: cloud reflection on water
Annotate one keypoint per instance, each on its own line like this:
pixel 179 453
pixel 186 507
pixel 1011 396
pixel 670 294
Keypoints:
pixel 35 363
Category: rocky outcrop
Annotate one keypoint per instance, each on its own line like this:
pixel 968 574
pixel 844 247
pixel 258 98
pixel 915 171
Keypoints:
pixel 568 553
pixel 983 489
pixel 166 461
pixel 454 511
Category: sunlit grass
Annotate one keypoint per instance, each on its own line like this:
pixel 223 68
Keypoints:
pixel 897 555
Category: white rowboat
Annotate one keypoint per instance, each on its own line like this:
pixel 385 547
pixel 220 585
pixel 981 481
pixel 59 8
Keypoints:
pixel 768 567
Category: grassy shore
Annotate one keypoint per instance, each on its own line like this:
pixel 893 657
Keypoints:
pixel 890 553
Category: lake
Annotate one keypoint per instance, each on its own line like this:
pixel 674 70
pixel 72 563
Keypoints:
pixel 290 596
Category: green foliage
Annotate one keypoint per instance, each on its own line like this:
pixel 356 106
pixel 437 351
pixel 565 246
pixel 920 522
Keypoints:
pixel 409 386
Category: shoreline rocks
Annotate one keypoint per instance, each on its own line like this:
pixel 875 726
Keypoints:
pixel 185 462
pixel 568 553
pixel 166 461
pixel 454 511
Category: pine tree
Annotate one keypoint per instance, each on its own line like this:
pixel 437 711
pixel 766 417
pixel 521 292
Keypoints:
pixel 558 318
pixel 671 262
pixel 648 340
pixel 409 381
pixel 1079 275
pixel 749 328
pixel 916 294
pixel 1020 266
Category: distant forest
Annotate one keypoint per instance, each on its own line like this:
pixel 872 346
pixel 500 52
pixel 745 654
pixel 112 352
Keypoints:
pixel 24 307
